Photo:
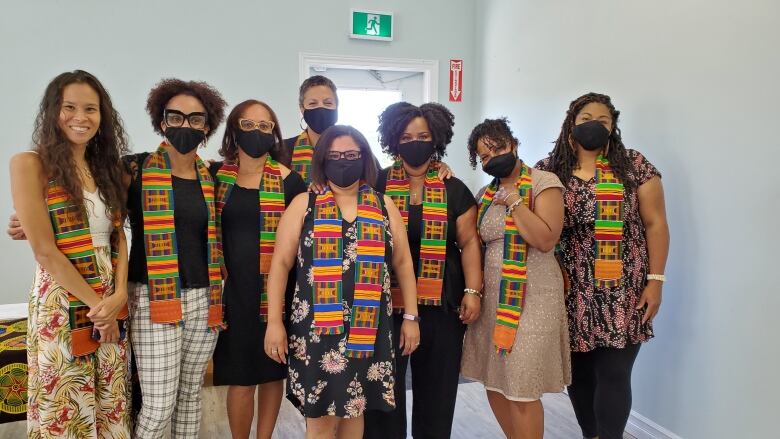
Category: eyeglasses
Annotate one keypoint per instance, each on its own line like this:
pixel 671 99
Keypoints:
pixel 348 155
pixel 175 118
pixel 265 126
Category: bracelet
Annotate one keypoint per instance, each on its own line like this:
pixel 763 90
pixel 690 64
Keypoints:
pixel 472 291
pixel 512 206
pixel 411 317
pixel 658 277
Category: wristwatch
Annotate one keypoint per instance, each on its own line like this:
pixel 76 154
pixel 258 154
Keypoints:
pixel 658 277
pixel 411 317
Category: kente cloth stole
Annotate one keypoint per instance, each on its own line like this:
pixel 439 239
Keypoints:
pixel 608 264
pixel 369 270
pixel 162 259
pixel 514 269
pixel 73 238
pixel 301 157
pixel 271 201
pixel 433 242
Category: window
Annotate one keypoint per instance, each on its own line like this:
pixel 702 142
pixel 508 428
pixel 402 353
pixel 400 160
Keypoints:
pixel 361 109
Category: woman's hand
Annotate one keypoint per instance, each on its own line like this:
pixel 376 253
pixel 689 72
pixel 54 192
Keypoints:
pixel 275 343
pixel 445 171
pixel 15 231
pixel 316 188
pixel 109 333
pixel 650 298
pixel 470 307
pixel 504 197
pixel 410 336
pixel 106 311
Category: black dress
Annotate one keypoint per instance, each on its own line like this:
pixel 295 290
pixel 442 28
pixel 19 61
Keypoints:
pixel 239 358
pixel 322 381
pixel 436 362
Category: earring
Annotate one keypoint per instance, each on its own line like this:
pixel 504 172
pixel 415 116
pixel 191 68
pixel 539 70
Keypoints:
pixel 302 124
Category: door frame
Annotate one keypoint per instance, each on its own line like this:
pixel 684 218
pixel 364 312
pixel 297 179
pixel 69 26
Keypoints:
pixel 429 68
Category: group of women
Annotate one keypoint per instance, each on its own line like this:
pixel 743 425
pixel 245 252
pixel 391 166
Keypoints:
pixel 299 259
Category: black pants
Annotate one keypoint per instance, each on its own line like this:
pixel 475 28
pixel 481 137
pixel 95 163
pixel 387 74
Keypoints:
pixel 600 390
pixel 435 371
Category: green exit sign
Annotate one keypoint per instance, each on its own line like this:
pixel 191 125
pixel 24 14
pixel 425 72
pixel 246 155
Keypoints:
pixel 372 25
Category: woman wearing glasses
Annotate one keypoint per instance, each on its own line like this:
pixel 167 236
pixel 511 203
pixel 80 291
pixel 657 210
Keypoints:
pixel 253 189
pixel 341 354
pixel 175 289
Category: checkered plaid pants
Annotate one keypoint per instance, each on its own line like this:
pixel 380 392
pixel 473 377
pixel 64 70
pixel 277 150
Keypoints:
pixel 171 362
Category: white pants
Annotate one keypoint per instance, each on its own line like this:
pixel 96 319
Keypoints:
pixel 171 361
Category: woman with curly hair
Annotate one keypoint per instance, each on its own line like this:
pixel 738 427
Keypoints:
pixel 440 219
pixel 70 195
pixel 318 103
pixel 613 248
pixel 176 283
pixel 253 190
pixel 519 348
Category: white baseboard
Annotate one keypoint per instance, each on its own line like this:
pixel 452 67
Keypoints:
pixel 643 428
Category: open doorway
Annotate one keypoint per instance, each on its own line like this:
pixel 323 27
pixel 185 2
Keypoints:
pixel 366 86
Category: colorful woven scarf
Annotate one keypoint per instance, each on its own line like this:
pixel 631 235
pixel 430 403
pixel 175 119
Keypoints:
pixel 433 242
pixel 162 259
pixel 608 265
pixel 301 157
pixel 369 270
pixel 271 201
pixel 73 238
pixel 514 271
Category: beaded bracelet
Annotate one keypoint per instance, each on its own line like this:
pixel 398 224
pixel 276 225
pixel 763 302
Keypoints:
pixel 512 206
pixel 472 291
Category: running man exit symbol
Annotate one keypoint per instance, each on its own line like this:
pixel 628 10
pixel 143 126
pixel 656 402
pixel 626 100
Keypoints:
pixel 372 28
pixel 371 25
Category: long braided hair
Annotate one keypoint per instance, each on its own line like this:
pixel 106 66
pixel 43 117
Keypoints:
pixel 563 159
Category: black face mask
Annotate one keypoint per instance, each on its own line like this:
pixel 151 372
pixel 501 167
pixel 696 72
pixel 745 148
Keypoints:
pixel 255 143
pixel 416 153
pixel 592 135
pixel 320 119
pixel 184 139
pixel 343 172
pixel 502 165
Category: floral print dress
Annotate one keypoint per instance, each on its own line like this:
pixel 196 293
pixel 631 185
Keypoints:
pixel 604 317
pixel 322 381
pixel 69 397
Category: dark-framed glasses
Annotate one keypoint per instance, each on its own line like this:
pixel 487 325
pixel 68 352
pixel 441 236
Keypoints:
pixel 347 155
pixel 175 118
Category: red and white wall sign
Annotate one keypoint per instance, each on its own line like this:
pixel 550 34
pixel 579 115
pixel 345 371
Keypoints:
pixel 456 80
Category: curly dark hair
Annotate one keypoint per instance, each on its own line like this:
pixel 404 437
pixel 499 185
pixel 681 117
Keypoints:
pixel 496 135
pixel 563 158
pixel 167 88
pixel 313 81
pixel 103 151
pixel 396 117
pixel 322 148
pixel 229 151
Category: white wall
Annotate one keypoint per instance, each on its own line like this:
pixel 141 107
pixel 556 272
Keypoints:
pixel 247 49
pixel 697 84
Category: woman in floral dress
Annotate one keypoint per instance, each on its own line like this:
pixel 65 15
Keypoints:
pixel 70 195
pixel 342 243
pixel 614 245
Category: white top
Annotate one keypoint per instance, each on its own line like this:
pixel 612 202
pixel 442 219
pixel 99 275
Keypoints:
pixel 100 225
